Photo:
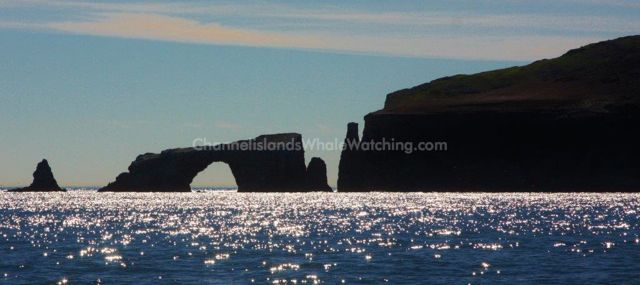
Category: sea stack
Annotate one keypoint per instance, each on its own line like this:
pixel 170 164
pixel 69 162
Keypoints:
pixel 43 180
pixel 317 175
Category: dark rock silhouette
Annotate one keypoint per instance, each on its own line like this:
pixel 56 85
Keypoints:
pixel 351 169
pixel 317 175
pixel 268 163
pixel 566 124
pixel 43 180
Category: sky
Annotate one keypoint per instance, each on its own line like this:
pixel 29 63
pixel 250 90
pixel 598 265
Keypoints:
pixel 89 85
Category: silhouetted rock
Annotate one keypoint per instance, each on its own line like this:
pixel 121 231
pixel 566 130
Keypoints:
pixel 566 124
pixel 43 180
pixel 317 175
pixel 350 169
pixel 352 133
pixel 268 163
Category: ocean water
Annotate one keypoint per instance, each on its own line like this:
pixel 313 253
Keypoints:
pixel 223 237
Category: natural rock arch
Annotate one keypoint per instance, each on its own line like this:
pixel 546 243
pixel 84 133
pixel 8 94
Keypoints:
pixel 268 163
pixel 217 174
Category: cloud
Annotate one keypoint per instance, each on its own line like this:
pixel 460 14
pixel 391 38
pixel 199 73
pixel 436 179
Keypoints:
pixel 465 20
pixel 159 27
pixel 298 17
pixel 442 34
pixel 165 28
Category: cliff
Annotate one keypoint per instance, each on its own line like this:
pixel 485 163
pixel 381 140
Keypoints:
pixel 268 163
pixel 565 124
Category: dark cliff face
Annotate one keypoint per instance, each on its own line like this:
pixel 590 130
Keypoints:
pixel 567 124
pixel 43 180
pixel 269 163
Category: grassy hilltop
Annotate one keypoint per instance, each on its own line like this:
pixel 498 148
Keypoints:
pixel 596 77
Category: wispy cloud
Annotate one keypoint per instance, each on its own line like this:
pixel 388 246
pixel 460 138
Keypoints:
pixel 415 34
pixel 156 27
pixel 331 15
pixel 159 27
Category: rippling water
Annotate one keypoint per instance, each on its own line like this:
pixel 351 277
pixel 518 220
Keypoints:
pixel 222 237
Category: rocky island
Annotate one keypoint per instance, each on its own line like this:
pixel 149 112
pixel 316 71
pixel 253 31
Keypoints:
pixel 43 180
pixel 268 163
pixel 564 124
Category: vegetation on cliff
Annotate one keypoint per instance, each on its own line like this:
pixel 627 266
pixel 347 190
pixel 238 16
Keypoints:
pixel 594 77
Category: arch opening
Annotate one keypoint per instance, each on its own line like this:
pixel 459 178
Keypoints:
pixel 217 176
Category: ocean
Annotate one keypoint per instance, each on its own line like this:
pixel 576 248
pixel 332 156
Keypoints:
pixel 223 237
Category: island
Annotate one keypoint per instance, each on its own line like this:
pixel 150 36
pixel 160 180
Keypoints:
pixel 563 124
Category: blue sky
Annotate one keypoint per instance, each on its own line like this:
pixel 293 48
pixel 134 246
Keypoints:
pixel 90 85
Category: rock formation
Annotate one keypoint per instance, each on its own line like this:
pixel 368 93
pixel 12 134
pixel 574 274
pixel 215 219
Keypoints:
pixel 268 163
pixel 565 124
pixel 43 180
pixel 351 170
pixel 317 176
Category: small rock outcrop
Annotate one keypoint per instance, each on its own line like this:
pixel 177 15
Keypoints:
pixel 268 163
pixel 43 180
pixel 317 176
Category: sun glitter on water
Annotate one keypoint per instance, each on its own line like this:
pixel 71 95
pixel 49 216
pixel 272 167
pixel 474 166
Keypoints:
pixel 321 238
